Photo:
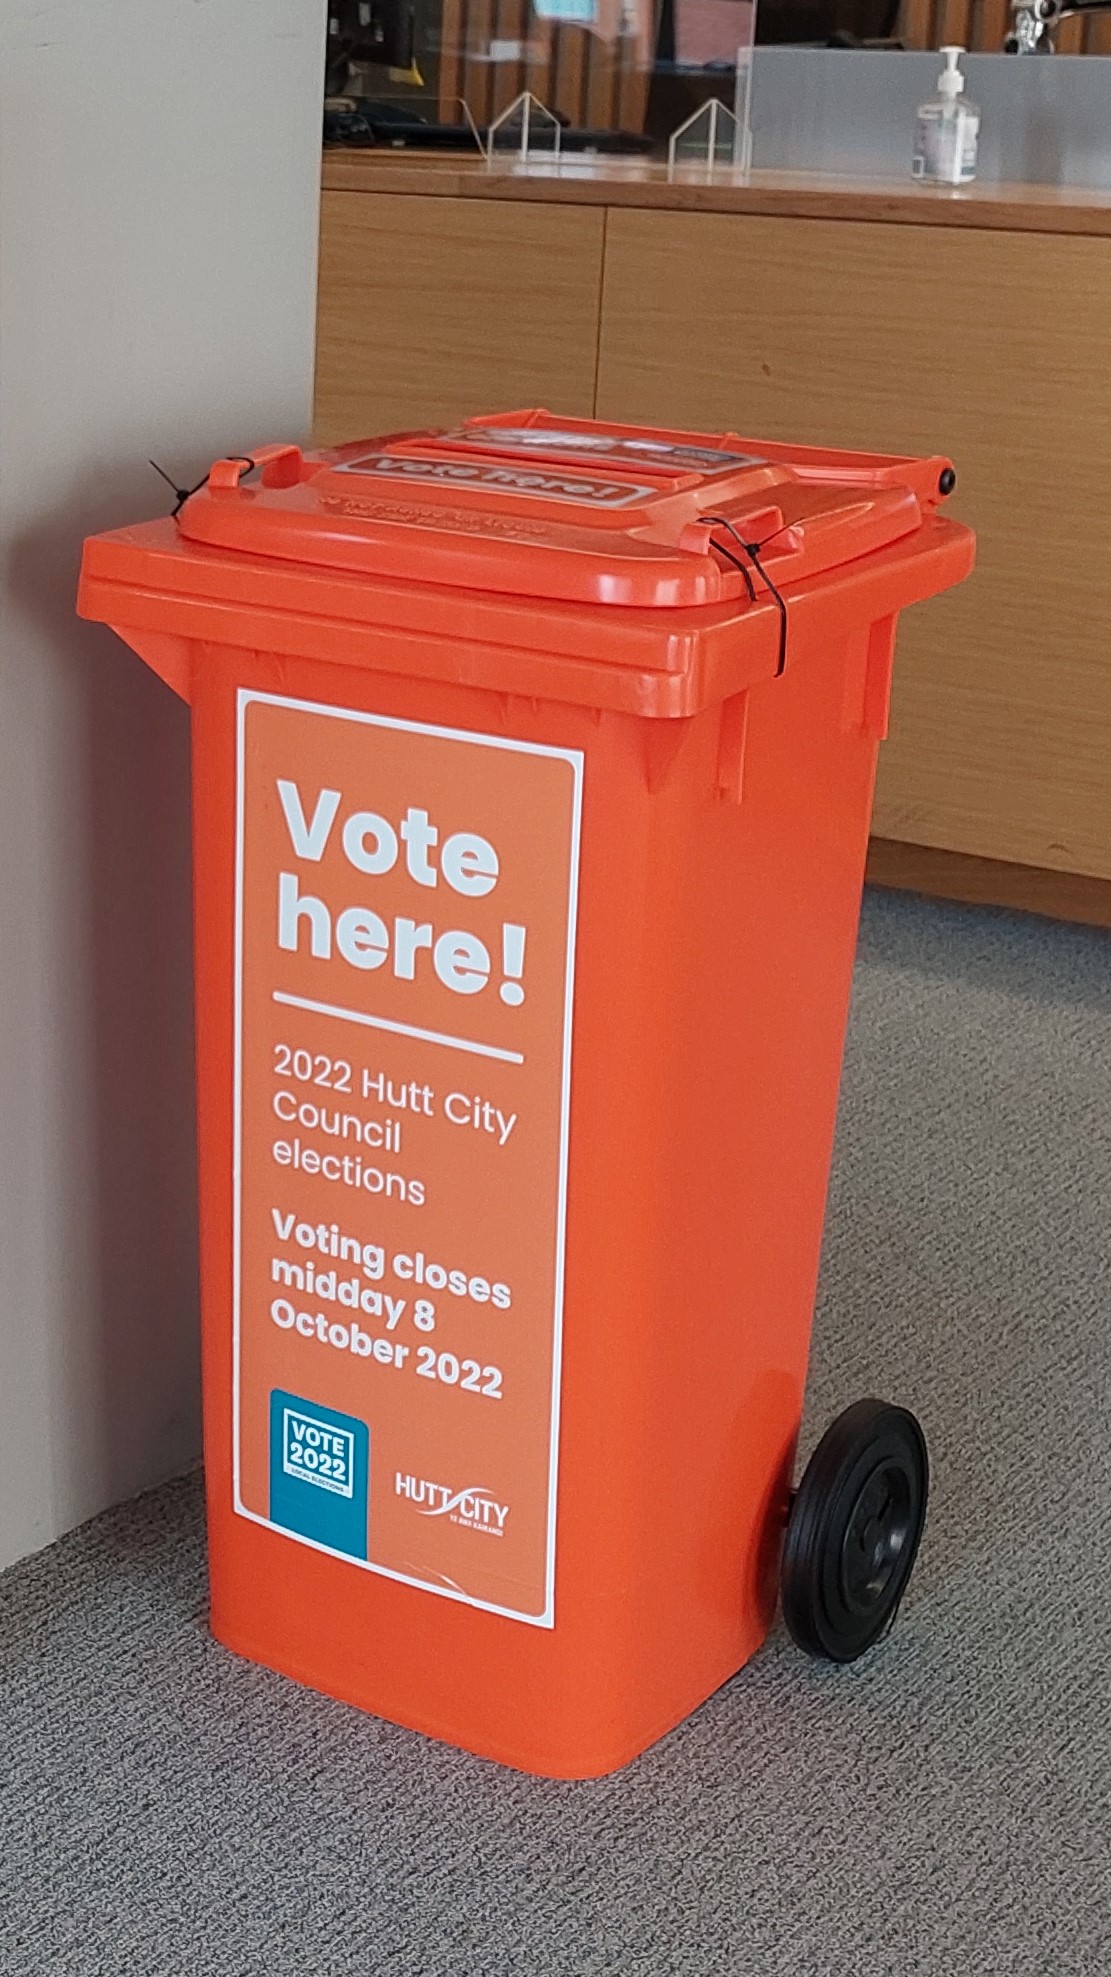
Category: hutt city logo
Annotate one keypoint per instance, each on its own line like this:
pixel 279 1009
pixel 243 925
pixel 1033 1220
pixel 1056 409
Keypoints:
pixel 478 1509
pixel 319 1473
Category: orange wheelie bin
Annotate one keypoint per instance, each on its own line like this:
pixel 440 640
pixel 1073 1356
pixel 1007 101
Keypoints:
pixel 533 764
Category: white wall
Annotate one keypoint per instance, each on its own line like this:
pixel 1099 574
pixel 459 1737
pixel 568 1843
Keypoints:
pixel 159 171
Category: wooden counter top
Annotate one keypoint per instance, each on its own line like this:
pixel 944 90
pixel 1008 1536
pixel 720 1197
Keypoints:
pixel 636 182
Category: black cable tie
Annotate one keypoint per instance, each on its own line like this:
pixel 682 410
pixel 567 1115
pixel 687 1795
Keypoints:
pixel 184 494
pixel 737 565
pixel 780 605
pixel 752 551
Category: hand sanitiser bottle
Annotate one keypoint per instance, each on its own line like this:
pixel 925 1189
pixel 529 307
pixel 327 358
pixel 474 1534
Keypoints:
pixel 947 130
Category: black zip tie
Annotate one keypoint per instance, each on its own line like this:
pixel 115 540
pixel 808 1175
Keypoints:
pixel 737 565
pixel 184 494
pixel 752 551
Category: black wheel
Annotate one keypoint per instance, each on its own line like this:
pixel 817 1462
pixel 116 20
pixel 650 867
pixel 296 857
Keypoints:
pixel 853 1530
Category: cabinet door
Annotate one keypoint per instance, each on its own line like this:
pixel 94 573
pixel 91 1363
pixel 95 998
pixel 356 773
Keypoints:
pixel 988 346
pixel 432 308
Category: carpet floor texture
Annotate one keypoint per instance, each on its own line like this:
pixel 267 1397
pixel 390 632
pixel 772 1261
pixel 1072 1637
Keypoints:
pixel 941 1807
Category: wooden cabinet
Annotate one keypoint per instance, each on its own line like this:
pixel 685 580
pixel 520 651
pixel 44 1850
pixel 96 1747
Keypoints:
pixel 971 324
pixel 431 308
pixel 931 339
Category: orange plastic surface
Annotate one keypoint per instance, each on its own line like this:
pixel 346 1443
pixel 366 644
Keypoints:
pixel 561 510
pixel 707 823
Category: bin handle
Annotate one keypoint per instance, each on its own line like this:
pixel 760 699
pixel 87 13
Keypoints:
pixel 184 494
pixel 280 466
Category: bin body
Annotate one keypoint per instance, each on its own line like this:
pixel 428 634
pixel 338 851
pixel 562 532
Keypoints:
pixel 523 962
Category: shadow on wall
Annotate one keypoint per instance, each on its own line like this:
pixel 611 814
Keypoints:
pixel 126 1281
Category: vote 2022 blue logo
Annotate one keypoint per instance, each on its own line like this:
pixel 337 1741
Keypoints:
pixel 319 1473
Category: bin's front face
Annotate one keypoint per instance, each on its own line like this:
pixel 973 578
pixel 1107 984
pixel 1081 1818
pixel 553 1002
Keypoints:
pixel 519 1029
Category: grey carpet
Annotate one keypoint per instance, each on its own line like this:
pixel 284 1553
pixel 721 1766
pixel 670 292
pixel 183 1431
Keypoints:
pixel 941 1808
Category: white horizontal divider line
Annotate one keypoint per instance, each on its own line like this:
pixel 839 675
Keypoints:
pixel 399 1029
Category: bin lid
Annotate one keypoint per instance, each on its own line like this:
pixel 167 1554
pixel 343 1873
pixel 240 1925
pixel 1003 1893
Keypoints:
pixel 494 554
pixel 530 505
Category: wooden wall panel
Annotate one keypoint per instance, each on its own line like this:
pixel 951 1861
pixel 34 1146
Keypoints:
pixel 477 25
pixel 594 79
pixel 605 82
pixel 982 25
pixel 432 308
pixel 921 339
pixel 581 68
pixel 916 23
